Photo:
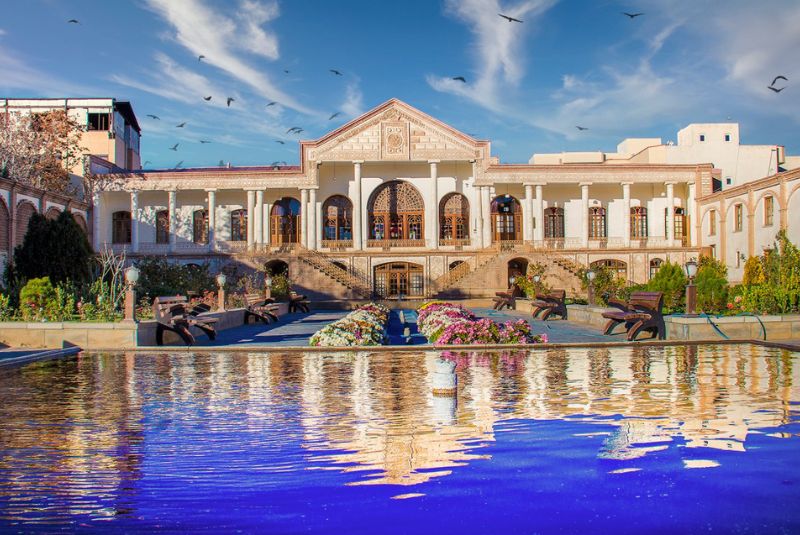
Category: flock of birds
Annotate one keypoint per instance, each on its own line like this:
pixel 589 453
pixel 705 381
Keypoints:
pixel 297 130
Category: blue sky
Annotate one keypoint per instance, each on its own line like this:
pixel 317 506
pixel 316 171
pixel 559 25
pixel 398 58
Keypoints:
pixel 528 85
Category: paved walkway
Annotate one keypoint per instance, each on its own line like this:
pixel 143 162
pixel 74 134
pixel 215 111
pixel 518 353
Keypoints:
pixel 294 330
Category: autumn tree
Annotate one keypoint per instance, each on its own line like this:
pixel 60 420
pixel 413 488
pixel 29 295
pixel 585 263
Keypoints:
pixel 41 149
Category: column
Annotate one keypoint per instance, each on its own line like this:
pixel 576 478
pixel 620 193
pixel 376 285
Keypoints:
pixel 312 219
pixel 585 216
pixel 694 216
pixel 670 231
pixel 527 214
pixel 267 222
pixel 486 215
pixel 303 217
pixel 258 222
pixel 212 219
pixel 434 242
pixel 626 214
pixel 356 192
pixel 135 221
pixel 97 208
pixel 538 230
pixel 251 200
pixel 173 220
pixel 318 225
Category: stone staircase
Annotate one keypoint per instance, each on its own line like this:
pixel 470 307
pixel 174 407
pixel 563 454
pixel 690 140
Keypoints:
pixel 355 281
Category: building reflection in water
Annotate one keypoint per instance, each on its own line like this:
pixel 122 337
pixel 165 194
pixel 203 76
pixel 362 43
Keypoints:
pixel 76 431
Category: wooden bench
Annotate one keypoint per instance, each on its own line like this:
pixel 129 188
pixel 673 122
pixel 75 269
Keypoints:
pixel 642 312
pixel 549 304
pixel 260 308
pixel 297 301
pixel 507 299
pixel 173 314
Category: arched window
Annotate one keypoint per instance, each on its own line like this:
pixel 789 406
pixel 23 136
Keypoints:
pixel 121 227
pixel 554 222
pixel 81 222
pixel 679 224
pixel 655 265
pixel 200 226
pixel 52 213
pixel 337 214
pixel 162 226
pixel 506 219
pixel 638 222
pixel 25 211
pixel 285 221
pixel 396 213
pixel 454 220
pixel 399 278
pixel 239 225
pixel 5 224
pixel 597 222
pixel 620 267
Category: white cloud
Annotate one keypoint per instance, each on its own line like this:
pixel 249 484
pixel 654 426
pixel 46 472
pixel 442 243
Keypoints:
pixel 202 30
pixel 2 31
pixel 20 75
pixel 498 48
pixel 353 104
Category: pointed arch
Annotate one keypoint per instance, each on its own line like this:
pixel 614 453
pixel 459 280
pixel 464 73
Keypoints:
pixel 396 215
pixel 454 219
pixel 285 221
pixel 506 219
pixel 337 222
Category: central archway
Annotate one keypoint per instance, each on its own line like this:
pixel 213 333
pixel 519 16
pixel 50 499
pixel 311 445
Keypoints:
pixel 396 215
pixel 397 279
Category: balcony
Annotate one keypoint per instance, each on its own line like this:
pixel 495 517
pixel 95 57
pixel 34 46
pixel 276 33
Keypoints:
pixel 337 245
pixel 389 244
pixel 452 242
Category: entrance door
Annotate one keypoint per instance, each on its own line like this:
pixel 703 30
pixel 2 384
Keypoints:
pixel 399 279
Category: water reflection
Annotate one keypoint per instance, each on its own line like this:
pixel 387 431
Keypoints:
pixel 80 436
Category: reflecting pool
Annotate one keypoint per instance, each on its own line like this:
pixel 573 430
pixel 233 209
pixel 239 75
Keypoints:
pixel 623 440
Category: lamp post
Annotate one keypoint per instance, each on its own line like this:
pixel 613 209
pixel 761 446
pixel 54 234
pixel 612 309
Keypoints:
pixel 511 281
pixel 268 286
pixel 691 290
pixel 131 278
pixel 590 275
pixel 221 280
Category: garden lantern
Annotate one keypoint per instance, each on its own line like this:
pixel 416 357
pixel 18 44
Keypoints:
pixel 131 278
pixel 221 280
pixel 590 275
pixel 691 290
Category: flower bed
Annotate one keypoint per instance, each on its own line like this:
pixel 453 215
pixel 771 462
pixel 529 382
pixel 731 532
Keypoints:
pixel 448 324
pixel 365 326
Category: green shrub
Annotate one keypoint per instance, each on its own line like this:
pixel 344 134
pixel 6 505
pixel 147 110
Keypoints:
pixel 158 276
pixel 712 285
pixel 607 283
pixel 34 298
pixel 7 311
pixel 526 283
pixel 671 280
pixel 779 293
pixel 281 284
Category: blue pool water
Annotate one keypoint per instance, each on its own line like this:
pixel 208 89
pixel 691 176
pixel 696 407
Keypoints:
pixel 622 440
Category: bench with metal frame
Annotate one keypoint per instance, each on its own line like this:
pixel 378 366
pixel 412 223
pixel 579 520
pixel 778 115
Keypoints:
pixel 173 314
pixel 261 308
pixel 507 299
pixel 642 312
pixel 549 304
pixel 297 302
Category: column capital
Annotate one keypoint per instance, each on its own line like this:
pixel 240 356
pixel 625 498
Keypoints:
pixel 358 162
pixel 434 161
pixel 671 183
pixel 627 183
pixel 584 184
pixel 534 183
pixel 210 190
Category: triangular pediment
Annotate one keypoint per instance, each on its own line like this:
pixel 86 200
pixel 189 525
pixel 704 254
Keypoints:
pixel 394 131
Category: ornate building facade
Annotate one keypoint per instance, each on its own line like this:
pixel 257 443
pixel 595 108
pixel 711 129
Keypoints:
pixel 400 204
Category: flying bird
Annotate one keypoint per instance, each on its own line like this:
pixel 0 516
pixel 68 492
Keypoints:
pixel 180 163
pixel 775 88
pixel 271 104
pixel 73 21
pixel 200 57
pixel 281 142
pixel 294 130
pixel 174 147
pixel 779 77
pixel 581 128
pixel 633 15
pixel 146 162
pixel 207 98
pixel 203 141
pixel 509 19
pixel 334 71
pixel 335 115
pixel 180 125
pixel 286 71
pixel 459 79
pixel 230 99
pixel 156 117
